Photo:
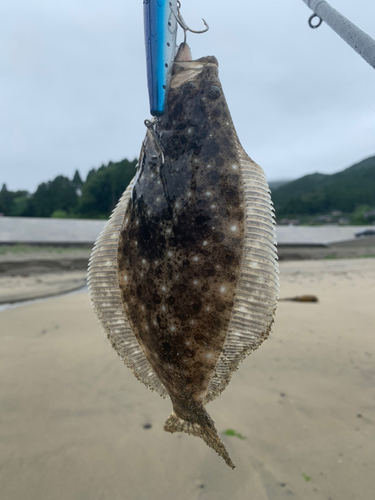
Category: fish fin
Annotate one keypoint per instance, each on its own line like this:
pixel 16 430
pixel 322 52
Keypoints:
pixel 105 296
pixel 258 285
pixel 203 428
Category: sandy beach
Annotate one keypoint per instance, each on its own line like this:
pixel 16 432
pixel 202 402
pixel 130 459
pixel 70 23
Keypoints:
pixel 76 425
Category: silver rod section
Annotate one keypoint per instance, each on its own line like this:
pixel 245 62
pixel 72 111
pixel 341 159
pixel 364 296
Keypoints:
pixel 356 38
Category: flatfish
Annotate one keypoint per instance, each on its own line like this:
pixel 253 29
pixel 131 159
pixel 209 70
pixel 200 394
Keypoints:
pixel 184 276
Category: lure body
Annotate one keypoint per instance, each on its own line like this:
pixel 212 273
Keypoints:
pixel 184 277
pixel 160 27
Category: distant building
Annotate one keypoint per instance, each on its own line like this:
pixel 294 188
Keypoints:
pixel 370 214
pixel 343 221
pixel 290 222
pixel 323 218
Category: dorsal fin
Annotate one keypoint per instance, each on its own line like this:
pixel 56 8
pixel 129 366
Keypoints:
pixel 106 299
pixel 257 289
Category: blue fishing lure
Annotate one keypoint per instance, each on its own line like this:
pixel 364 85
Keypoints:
pixel 160 23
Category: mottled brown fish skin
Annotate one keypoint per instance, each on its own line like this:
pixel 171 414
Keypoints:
pixel 182 241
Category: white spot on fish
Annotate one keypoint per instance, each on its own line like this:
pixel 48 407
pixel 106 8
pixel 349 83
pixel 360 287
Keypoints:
pixel 233 228
pixel 163 308
pixel 163 289
pixel 213 205
pixel 208 166
pixel 195 258
pixel 177 204
pixel 208 193
pixel 204 243
pixel 222 289
pixel 172 328
pixel 234 167
pixel 168 231
pixel 195 282
pixel 169 254
pixel 209 355
pixel 125 277
pixel 143 261
pixel 143 307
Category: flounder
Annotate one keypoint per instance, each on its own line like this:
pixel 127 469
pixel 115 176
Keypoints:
pixel 184 276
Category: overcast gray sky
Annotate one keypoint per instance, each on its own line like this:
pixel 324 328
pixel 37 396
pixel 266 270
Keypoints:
pixel 73 89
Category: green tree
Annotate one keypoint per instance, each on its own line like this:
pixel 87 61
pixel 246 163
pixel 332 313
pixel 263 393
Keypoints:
pixel 104 187
pixel 357 217
pixel 6 200
pixel 59 194
pixel 77 181
pixel 20 203
pixel 13 203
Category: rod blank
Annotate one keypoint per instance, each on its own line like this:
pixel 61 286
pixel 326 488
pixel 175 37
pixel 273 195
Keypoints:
pixel 356 38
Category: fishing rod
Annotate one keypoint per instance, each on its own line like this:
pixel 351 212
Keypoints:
pixel 362 43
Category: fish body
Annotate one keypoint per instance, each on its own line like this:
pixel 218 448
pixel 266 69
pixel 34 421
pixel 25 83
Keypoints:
pixel 160 27
pixel 184 277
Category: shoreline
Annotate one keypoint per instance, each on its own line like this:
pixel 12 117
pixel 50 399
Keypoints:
pixel 36 275
pixel 17 288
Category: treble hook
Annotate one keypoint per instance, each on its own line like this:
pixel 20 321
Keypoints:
pixel 184 26
pixel 150 125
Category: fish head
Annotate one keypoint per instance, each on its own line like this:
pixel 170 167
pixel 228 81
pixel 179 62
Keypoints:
pixel 185 69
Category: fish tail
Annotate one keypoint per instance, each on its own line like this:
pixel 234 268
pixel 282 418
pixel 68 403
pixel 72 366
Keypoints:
pixel 201 426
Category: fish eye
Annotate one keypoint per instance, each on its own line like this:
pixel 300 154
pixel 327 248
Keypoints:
pixel 214 92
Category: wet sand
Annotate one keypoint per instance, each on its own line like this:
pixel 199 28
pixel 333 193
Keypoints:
pixel 76 424
pixel 35 286
pixel 28 272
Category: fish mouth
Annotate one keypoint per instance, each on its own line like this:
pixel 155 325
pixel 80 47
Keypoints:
pixel 185 69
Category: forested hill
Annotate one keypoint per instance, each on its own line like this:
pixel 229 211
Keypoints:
pixel 62 197
pixel 320 193
pixel 349 191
